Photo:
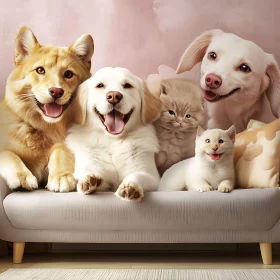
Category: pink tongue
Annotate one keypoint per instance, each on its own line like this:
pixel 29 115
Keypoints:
pixel 209 95
pixel 215 156
pixel 114 122
pixel 53 110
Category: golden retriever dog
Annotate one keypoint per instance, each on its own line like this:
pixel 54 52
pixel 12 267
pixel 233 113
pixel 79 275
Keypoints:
pixel 115 147
pixel 240 80
pixel 38 106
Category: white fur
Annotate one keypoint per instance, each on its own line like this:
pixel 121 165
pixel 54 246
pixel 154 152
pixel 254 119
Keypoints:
pixel 201 173
pixel 258 96
pixel 122 161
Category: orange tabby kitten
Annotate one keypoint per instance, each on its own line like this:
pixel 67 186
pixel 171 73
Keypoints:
pixel 182 112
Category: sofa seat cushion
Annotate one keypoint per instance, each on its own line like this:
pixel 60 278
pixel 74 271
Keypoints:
pixel 251 209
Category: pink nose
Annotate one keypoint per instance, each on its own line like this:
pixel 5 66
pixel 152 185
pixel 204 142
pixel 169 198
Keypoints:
pixel 56 92
pixel 213 81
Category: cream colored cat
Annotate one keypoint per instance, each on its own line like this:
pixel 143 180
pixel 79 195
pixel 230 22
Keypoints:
pixel 182 112
pixel 212 167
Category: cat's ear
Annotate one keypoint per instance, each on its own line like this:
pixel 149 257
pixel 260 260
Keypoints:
pixel 231 132
pixel 200 131
pixel 164 87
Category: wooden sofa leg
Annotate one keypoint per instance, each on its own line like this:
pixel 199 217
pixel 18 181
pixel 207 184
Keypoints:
pixel 266 252
pixel 18 250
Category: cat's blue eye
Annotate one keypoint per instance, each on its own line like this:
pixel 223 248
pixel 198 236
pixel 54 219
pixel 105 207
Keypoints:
pixel 171 112
pixel 207 140
pixel 188 116
pixel 221 141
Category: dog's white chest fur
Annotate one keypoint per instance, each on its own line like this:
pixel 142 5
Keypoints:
pixel 118 157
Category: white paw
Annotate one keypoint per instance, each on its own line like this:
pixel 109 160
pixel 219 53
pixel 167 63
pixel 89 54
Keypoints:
pixel 205 188
pixel 61 182
pixel 89 184
pixel 22 181
pixel 130 192
pixel 224 188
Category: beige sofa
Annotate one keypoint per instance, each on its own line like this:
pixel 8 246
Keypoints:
pixel 242 216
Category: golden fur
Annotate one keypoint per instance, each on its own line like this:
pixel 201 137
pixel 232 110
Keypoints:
pixel 27 133
pixel 151 106
pixel 181 114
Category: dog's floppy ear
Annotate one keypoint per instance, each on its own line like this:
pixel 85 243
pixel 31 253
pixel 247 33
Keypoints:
pixel 83 48
pixel 151 106
pixel 79 108
pixel 25 44
pixel 154 87
pixel 273 91
pixel 196 50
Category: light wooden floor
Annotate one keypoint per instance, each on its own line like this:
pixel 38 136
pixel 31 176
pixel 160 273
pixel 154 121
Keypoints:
pixel 141 260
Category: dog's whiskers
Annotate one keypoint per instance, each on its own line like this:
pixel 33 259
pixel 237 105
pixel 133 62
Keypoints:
pixel 25 97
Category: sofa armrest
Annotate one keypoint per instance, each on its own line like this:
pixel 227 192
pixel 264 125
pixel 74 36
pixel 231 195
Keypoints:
pixel 5 224
pixel 4 189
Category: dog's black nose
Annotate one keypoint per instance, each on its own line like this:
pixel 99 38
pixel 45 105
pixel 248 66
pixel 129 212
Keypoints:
pixel 56 92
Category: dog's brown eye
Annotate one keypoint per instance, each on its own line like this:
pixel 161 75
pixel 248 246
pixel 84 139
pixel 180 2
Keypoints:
pixel 127 85
pixel 171 112
pixel 101 85
pixel 188 116
pixel 244 68
pixel 68 74
pixel 212 55
pixel 40 70
pixel 207 140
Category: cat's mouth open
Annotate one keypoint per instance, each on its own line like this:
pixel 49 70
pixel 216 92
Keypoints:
pixel 215 156
pixel 114 121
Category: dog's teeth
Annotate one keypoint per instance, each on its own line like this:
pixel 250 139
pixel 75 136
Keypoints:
pixel 104 116
pixel 122 116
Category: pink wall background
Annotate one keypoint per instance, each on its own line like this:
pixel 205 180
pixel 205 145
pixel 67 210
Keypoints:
pixel 137 34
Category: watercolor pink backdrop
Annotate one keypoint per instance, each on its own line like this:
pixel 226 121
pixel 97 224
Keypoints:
pixel 138 34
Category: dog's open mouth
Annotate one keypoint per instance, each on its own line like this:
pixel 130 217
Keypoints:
pixel 52 110
pixel 114 121
pixel 215 156
pixel 212 97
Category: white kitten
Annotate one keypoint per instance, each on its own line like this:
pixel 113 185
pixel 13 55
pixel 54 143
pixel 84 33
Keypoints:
pixel 212 167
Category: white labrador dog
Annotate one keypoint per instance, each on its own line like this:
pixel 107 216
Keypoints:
pixel 116 145
pixel 240 80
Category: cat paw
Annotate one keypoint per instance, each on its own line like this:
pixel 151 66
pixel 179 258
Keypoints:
pixel 22 181
pixel 89 184
pixel 205 188
pixel 224 188
pixel 61 182
pixel 130 192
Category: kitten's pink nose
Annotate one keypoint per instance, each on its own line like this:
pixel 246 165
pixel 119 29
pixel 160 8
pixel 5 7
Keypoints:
pixel 213 81
pixel 215 148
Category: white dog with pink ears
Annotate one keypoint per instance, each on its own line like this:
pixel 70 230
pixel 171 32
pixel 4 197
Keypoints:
pixel 241 81
pixel 115 147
